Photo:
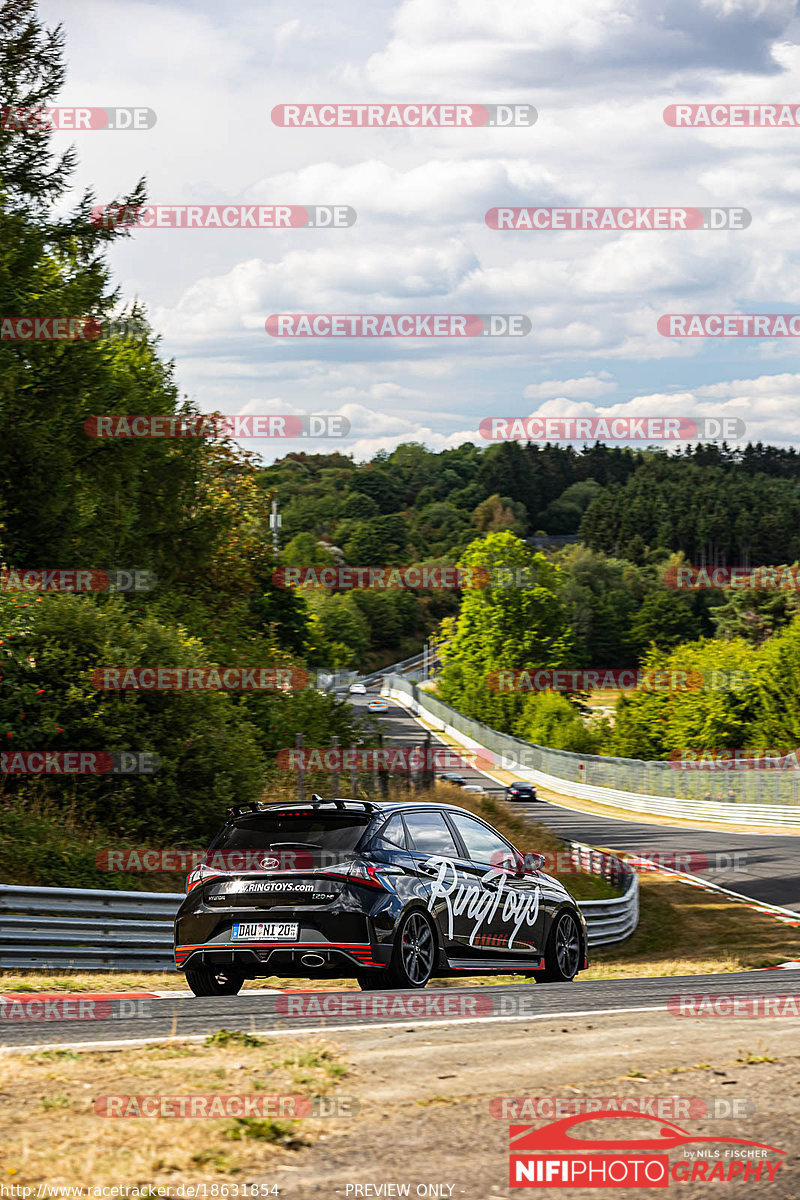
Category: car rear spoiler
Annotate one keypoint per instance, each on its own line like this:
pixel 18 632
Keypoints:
pixel 316 802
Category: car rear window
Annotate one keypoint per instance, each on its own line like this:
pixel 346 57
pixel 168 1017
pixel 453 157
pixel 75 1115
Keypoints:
pixel 334 831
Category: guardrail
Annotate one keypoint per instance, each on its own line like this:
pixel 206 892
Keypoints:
pixel 132 931
pixel 83 929
pixel 613 920
pixel 342 680
pixel 594 777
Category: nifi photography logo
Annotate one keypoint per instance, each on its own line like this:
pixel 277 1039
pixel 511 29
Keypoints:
pixel 557 1155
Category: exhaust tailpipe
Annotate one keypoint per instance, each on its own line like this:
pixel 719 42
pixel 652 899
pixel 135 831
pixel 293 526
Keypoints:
pixel 313 960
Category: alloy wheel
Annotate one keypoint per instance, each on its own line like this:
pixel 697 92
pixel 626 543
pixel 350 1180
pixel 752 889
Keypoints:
pixel 417 948
pixel 568 946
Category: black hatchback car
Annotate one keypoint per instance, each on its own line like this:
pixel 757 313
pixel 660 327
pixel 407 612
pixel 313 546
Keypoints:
pixel 389 893
pixel 521 791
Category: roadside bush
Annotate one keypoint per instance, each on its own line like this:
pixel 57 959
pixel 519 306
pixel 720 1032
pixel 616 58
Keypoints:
pixel 209 751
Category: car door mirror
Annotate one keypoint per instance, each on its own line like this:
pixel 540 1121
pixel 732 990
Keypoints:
pixel 519 866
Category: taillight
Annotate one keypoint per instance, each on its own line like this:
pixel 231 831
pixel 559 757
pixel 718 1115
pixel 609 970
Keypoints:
pixel 361 872
pixel 201 874
pixel 364 872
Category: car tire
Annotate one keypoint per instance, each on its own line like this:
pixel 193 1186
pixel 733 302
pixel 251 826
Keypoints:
pixel 413 957
pixel 215 981
pixel 562 955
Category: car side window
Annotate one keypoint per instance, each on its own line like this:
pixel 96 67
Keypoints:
pixel 429 834
pixel 394 832
pixel 483 845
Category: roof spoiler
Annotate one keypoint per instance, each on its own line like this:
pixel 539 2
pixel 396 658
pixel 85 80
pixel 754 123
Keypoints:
pixel 316 802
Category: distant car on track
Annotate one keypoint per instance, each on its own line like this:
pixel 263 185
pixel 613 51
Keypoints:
pixel 521 791
pixel 392 894
pixel 357 689
pixel 377 705
pixel 456 780
pixel 475 788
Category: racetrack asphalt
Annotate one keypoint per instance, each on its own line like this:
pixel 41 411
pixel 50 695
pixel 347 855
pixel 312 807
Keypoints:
pixel 114 1022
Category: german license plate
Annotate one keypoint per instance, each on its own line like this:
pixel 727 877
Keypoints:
pixel 266 931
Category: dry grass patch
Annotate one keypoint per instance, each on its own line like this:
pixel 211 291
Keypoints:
pixel 49 1129
pixel 685 931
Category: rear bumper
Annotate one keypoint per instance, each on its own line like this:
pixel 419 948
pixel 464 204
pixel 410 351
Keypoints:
pixel 276 959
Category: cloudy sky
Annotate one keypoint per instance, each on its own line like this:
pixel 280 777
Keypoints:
pixel 599 72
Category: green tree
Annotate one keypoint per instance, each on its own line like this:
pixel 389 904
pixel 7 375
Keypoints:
pixel 380 541
pixel 550 719
pixel 304 550
pixel 502 627
pixel 336 622
pixel 68 499
pixel 496 513
pixel 208 747
pixel 602 596
pixel 664 620
pixel 359 506
pixel 706 696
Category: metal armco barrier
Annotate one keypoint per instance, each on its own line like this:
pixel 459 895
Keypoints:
pixel 83 929
pixel 655 788
pixel 86 929
pixel 608 921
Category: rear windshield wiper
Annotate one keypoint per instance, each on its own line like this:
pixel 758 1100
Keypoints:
pixel 302 845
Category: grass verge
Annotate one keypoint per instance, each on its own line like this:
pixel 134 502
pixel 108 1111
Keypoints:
pixel 51 1131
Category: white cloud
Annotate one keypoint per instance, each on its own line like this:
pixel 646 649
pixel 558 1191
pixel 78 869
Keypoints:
pixel 599 72
pixel 587 387
pixel 441 44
